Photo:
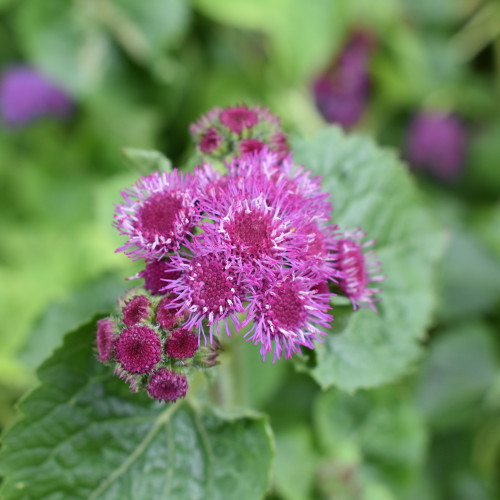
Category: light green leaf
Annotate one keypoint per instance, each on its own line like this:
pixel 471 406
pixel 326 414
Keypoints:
pixel 99 296
pixel 147 161
pixel 371 189
pixel 74 41
pixel 379 432
pixel 82 435
pixel 302 35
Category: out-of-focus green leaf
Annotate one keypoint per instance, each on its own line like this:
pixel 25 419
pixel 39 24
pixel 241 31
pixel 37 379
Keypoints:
pixel 482 175
pixel 295 478
pixel 380 431
pixel 83 436
pixel 99 296
pixel 74 40
pixel 147 161
pixel 487 225
pixel 371 189
pixel 303 35
pixel 470 278
pixel 460 367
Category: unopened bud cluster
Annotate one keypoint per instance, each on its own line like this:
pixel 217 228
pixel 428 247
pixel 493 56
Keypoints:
pixel 225 133
pixel 150 348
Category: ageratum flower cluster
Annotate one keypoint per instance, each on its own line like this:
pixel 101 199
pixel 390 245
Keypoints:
pixel 252 251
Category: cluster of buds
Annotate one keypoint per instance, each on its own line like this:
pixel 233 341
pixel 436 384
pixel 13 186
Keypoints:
pixel 150 348
pixel 234 131
pixel 252 251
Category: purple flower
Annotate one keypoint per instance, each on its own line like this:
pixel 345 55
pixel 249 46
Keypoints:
pixel 137 310
pixel 26 95
pixel 238 117
pixel 436 143
pixel 138 349
pixel 342 92
pixel 105 337
pixel 157 215
pixel 167 385
pixel 210 290
pixel 358 268
pixel 286 310
pixel 181 344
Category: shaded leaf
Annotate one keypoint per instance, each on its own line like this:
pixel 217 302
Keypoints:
pixel 84 436
pixel 147 161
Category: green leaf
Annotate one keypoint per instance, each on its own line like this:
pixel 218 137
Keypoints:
pixel 371 189
pixel 82 435
pixel 90 29
pixel 319 22
pixel 61 317
pixel 147 161
pixel 295 478
pixel 460 368
pixel 380 433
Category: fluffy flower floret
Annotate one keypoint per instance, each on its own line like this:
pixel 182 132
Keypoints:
pixel 105 339
pixel 167 385
pixel 250 230
pixel 157 214
pixel 181 344
pixel 286 309
pixel 358 268
pixel 138 349
pixel 210 290
pixel 319 252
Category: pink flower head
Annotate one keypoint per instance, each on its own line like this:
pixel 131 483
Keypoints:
pixel 138 349
pixel 137 310
pixel 181 344
pixel 155 273
pixel 285 309
pixel 249 146
pixel 210 141
pixel 210 290
pixel 105 337
pixel 358 268
pixel 166 315
pixel 157 215
pixel 238 117
pixel 167 385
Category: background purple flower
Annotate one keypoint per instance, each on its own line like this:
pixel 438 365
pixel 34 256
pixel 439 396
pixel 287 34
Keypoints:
pixel 26 95
pixel 342 92
pixel 436 142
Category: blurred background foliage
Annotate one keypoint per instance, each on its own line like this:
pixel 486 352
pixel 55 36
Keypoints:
pixel 139 73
